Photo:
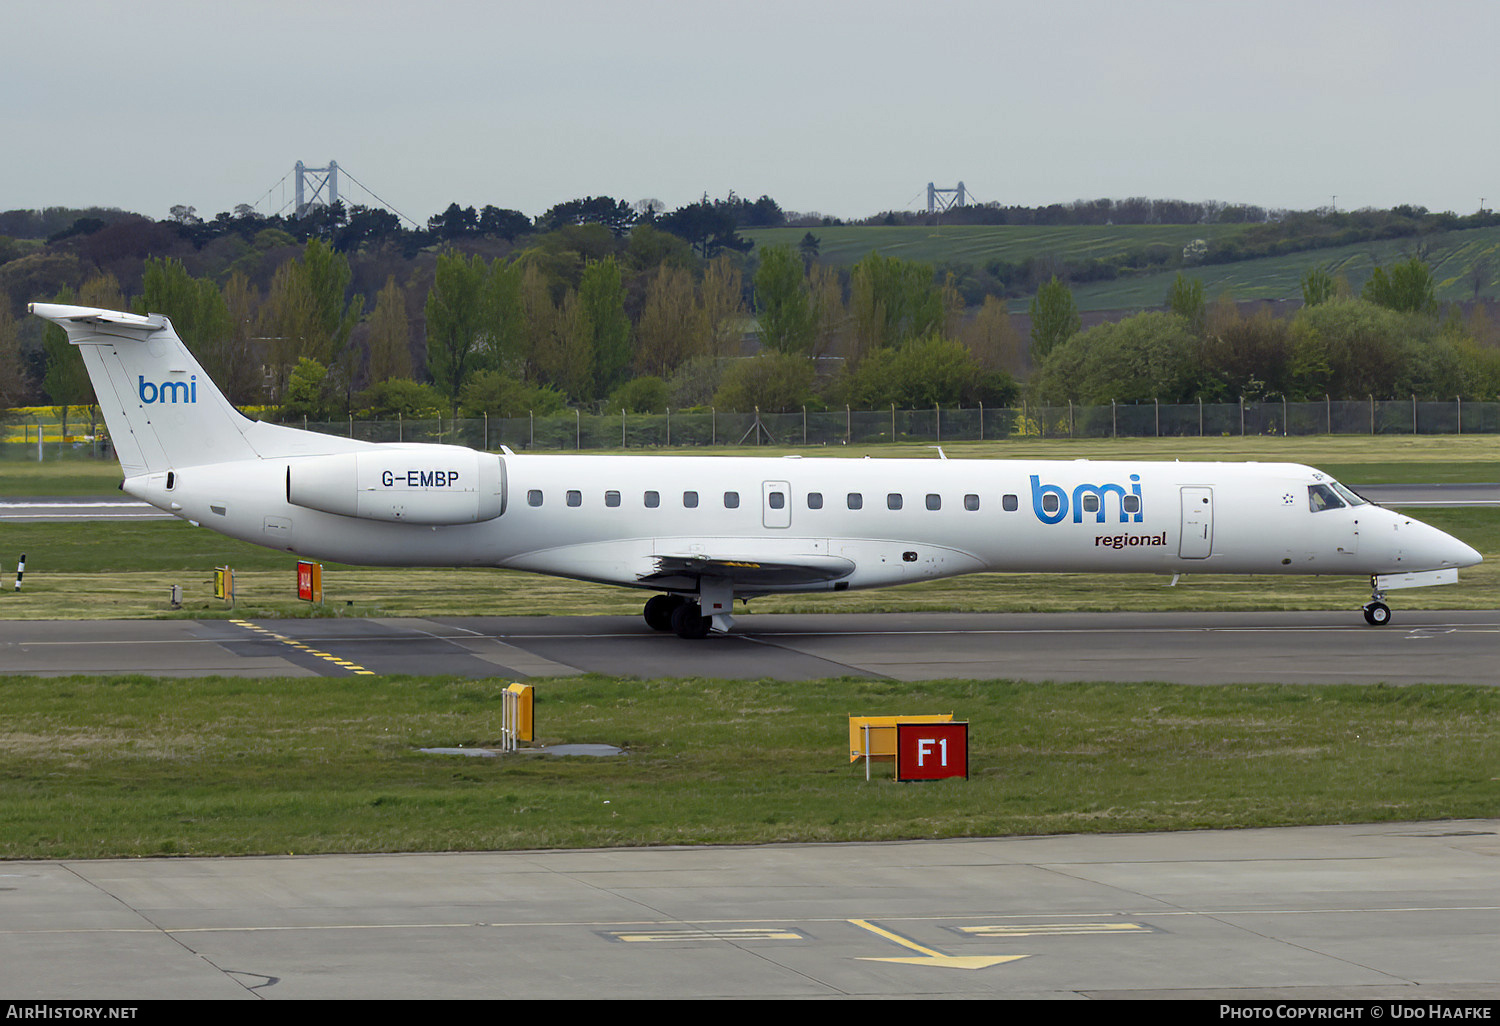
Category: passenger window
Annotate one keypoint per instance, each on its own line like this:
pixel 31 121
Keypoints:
pixel 1091 503
pixel 1010 503
pixel 534 497
pixel 814 500
pixel 971 502
pixel 856 500
pixel 690 500
pixel 934 501
pixel 893 500
pixel 778 500
pixel 575 498
pixel 653 500
pixel 1131 504
pixel 1049 502
pixel 1321 497
pixel 611 498
pixel 731 500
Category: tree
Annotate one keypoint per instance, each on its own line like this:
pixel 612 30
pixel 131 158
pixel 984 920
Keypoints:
pixel 1185 299
pixel 497 393
pixel 788 320
pixel 1352 348
pixel 457 339
pixel 668 332
pixel 616 215
pixel 833 314
pixel 197 310
pixel 307 391
pixel 601 296
pixel 993 339
pixel 564 359
pixel 645 394
pixel 506 224
pixel 454 223
pixel 390 336
pixel 924 372
pixel 310 313
pixel 722 302
pixel 391 398
pixel 892 300
pixel 708 225
pixel 1317 286
pixel 1149 356
pixel 11 386
pixel 773 382
pixel 1408 287
pixel 1054 318
pixel 809 248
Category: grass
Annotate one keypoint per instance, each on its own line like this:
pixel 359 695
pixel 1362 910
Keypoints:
pixel 93 768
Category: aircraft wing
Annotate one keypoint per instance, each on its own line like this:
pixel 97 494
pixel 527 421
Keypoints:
pixel 748 570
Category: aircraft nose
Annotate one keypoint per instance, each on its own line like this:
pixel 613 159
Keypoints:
pixel 1433 549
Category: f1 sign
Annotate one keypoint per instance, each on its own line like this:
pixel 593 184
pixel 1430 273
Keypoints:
pixel 932 751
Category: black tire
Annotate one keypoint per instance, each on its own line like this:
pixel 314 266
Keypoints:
pixel 1377 614
pixel 689 623
pixel 659 609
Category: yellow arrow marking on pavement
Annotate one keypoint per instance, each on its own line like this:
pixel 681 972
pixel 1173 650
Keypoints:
pixel 931 957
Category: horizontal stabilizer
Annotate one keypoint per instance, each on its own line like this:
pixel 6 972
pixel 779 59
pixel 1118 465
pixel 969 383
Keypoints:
pixel 136 323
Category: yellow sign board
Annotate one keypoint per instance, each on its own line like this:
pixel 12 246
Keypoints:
pixel 224 584
pixel 881 733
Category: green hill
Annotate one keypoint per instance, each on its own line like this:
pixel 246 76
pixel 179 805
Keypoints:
pixel 1451 255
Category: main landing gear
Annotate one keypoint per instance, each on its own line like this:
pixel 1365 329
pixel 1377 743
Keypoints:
pixel 1377 613
pixel 677 614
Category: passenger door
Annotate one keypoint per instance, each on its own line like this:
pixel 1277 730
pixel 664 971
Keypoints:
pixel 1197 540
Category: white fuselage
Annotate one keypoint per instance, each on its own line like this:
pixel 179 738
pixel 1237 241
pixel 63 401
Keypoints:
pixel 609 518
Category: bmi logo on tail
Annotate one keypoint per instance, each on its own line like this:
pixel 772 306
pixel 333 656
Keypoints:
pixel 168 391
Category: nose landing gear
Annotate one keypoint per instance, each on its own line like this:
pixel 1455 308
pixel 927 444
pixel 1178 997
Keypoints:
pixel 1377 613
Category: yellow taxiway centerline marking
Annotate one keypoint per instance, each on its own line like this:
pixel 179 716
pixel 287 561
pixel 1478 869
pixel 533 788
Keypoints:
pixel 357 669
pixel 931 957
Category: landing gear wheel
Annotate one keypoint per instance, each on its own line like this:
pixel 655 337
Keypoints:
pixel 689 623
pixel 1377 614
pixel 659 609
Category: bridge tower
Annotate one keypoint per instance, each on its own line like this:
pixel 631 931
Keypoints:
pixel 311 176
pixel 936 202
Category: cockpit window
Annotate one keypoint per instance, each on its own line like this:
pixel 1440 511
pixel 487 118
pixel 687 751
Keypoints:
pixel 1350 496
pixel 1321 497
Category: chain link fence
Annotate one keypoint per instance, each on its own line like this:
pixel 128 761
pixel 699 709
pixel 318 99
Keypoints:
pixel 577 431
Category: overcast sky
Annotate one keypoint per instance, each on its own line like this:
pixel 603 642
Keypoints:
pixel 847 108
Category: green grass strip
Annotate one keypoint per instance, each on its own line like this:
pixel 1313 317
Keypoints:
pixel 132 766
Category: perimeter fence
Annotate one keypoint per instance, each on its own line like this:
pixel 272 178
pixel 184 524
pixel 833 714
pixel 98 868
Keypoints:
pixel 34 434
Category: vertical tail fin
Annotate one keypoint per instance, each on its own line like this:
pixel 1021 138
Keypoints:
pixel 163 411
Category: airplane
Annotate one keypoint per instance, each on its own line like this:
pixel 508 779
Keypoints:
pixel 702 531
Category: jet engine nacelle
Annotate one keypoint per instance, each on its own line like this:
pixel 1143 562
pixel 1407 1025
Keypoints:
pixel 413 484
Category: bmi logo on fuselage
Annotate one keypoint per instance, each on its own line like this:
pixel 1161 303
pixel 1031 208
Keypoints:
pixel 168 391
pixel 1051 503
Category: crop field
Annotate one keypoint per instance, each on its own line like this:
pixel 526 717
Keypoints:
pixel 979 244
pixel 1450 254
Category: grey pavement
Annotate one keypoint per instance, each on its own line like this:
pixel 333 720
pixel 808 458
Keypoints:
pixel 1398 911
